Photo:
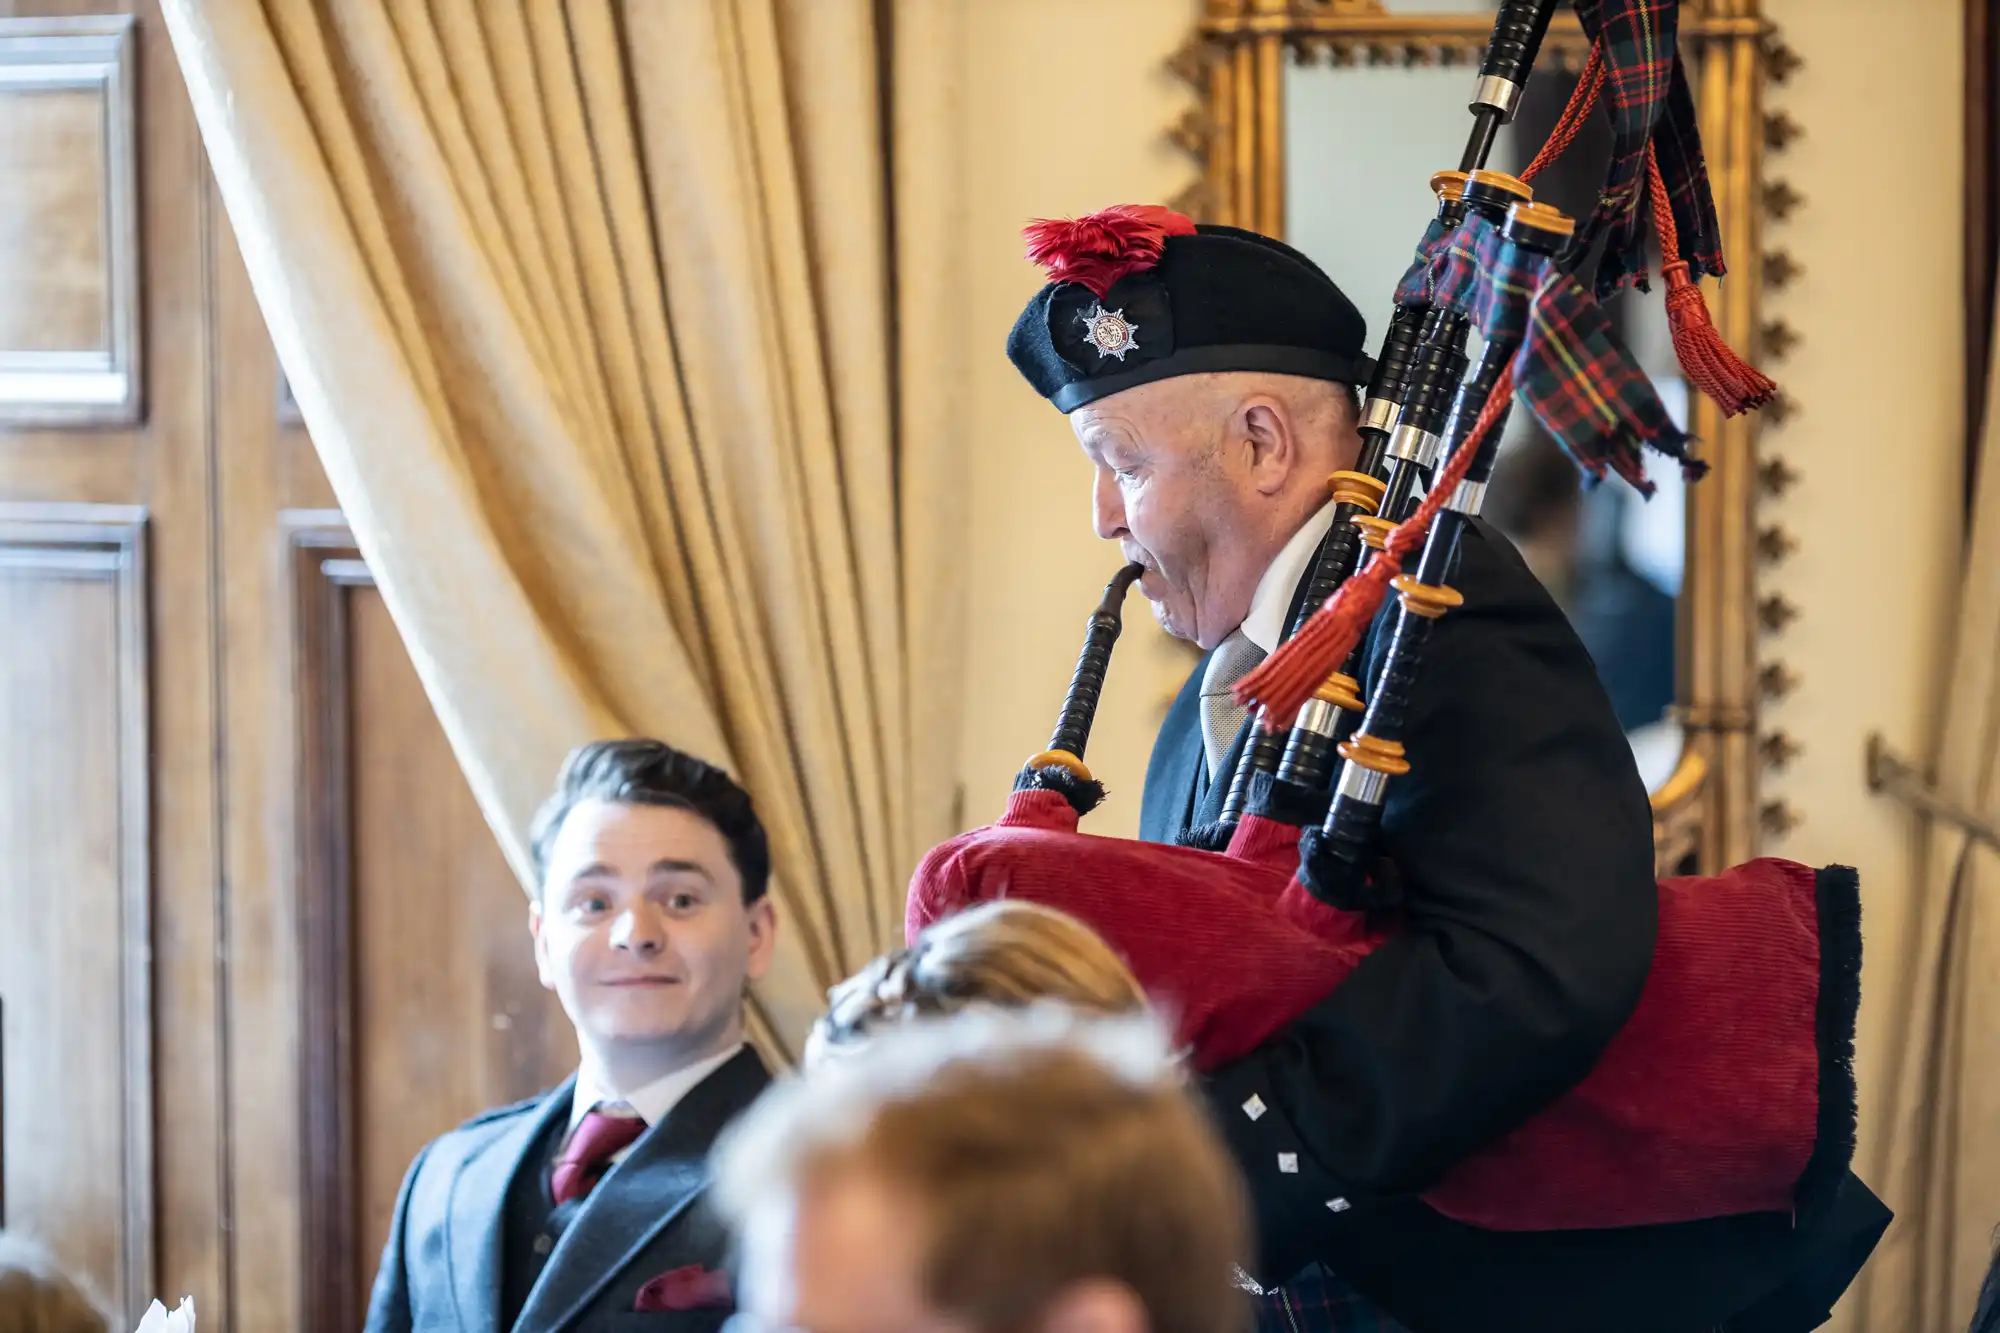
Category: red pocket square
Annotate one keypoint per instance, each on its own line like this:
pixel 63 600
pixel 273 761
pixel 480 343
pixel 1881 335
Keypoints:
pixel 690 1288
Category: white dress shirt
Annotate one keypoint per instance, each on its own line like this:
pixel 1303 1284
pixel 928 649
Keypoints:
pixel 1265 625
pixel 652 1101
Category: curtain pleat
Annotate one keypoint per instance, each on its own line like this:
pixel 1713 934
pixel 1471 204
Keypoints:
pixel 1934 1120
pixel 598 316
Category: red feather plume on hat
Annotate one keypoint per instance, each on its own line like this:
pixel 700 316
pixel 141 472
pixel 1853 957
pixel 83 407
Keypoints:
pixel 1105 246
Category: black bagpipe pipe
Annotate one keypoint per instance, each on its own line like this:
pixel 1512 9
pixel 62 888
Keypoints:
pixel 1729 1089
pixel 1402 441
pixel 1340 873
pixel 1061 768
pixel 1423 355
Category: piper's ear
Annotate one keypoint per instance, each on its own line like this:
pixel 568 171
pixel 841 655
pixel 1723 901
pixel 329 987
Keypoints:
pixel 1267 427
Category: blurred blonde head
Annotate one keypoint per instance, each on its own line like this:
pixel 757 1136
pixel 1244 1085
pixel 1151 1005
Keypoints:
pixel 1005 954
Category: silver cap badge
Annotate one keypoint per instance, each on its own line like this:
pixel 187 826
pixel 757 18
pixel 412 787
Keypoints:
pixel 1109 331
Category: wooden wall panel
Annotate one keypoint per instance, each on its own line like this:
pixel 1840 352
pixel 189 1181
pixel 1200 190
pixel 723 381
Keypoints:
pixel 76 1077
pixel 164 461
pixel 69 222
pixel 421 1001
pixel 55 295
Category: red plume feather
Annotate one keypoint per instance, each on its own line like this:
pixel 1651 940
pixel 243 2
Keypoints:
pixel 1100 249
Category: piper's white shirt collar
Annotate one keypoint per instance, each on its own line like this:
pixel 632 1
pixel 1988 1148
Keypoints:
pixel 1265 625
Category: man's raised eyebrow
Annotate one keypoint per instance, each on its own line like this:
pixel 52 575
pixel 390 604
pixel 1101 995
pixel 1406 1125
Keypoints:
pixel 674 865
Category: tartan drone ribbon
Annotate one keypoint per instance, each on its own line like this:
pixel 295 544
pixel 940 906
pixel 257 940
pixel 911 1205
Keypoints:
pixel 1570 372
pixel 1636 42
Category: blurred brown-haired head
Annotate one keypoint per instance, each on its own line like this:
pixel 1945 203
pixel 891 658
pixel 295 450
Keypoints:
pixel 993 1171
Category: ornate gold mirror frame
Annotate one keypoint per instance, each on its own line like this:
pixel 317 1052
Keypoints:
pixel 1709 808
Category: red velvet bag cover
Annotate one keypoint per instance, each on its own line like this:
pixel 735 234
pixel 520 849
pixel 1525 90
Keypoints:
pixel 1707 1103
pixel 1201 931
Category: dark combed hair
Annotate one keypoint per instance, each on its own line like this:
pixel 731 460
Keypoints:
pixel 638 771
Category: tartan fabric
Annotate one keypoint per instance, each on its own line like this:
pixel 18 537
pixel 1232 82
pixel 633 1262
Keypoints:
pixel 1319 1301
pixel 1677 145
pixel 1572 372
pixel 1482 275
pixel 1588 392
pixel 1637 40
pixel 1500 310
pixel 1648 100
pixel 1457 277
pixel 1415 288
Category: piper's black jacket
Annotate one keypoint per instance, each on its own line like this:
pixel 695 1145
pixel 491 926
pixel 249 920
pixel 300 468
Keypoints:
pixel 1522 839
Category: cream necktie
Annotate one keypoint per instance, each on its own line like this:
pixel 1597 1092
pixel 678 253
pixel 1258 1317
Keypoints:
pixel 1221 716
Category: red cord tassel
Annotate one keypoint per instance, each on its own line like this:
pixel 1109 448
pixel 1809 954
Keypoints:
pixel 1287 678
pixel 1731 382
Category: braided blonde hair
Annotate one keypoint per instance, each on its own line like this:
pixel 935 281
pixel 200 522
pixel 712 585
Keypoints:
pixel 1006 954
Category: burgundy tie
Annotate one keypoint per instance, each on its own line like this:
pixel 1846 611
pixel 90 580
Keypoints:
pixel 599 1135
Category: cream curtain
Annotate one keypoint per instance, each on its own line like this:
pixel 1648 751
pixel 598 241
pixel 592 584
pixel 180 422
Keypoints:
pixel 591 309
pixel 1936 1120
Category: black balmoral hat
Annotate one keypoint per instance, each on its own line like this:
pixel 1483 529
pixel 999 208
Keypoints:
pixel 1139 293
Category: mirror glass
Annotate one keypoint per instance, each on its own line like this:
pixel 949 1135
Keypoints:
pixel 1361 143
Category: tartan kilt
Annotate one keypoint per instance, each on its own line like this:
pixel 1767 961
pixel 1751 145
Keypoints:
pixel 1319 1301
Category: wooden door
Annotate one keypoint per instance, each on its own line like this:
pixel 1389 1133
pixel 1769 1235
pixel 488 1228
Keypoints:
pixel 420 1003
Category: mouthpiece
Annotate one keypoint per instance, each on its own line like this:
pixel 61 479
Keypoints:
pixel 1061 765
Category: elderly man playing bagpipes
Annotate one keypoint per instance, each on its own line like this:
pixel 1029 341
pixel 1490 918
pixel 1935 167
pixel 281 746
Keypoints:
pixel 1397 885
